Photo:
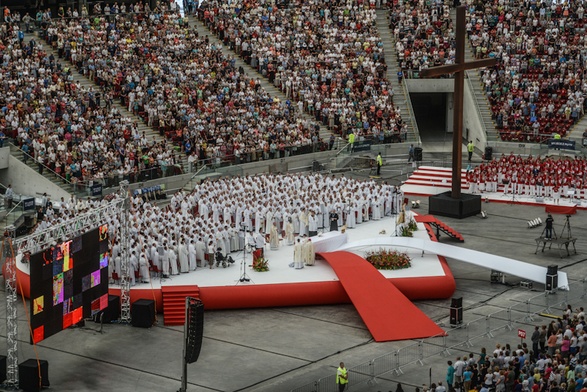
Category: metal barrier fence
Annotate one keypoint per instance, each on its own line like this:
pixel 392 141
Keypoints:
pixel 477 332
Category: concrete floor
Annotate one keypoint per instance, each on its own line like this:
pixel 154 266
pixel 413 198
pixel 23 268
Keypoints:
pixel 284 348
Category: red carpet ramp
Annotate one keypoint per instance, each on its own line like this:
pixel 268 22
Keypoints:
pixel 388 314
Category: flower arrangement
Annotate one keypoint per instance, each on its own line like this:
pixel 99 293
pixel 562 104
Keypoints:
pixel 260 264
pixel 408 230
pixel 385 259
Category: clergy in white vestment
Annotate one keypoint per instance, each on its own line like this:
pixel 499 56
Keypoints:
pixel 312 224
pixel 183 257
pixel 164 259
pixel 274 237
pixel 376 209
pixel 268 221
pixel 260 242
pixel 110 267
pixel 308 251
pixel 201 251
pixel 298 255
pixel 289 232
pixel 303 222
pixel 193 264
pixel 144 269
pixel 259 220
pixel 358 211
pixel 172 257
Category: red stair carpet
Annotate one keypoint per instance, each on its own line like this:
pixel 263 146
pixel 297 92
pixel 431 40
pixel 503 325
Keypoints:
pixel 388 314
pixel 174 302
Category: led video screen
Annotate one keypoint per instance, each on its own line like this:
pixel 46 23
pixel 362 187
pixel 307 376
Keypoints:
pixel 69 282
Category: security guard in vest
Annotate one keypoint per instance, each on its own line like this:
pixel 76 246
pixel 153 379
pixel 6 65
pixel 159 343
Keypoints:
pixel 342 377
pixel 351 141
pixel 470 149
pixel 379 163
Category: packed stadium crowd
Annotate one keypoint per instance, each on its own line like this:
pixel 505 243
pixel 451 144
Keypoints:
pixel 62 125
pixel 325 55
pixel 182 84
pixel 538 87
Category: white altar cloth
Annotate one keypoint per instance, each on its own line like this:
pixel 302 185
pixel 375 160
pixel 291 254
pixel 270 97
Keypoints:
pixel 330 241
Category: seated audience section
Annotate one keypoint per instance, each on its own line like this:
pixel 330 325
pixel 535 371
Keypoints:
pixel 326 56
pixel 537 88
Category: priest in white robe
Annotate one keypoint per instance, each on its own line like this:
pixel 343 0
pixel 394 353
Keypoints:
pixel 289 232
pixel 308 252
pixel 172 259
pixel 298 255
pixel 183 257
pixel 201 252
pixel 193 264
pixel 274 237
pixel 144 268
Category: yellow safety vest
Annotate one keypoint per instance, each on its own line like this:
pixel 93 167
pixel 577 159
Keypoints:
pixel 339 379
pixel 379 160
pixel 352 138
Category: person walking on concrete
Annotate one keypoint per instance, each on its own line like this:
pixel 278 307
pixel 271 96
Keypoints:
pixel 470 149
pixel 342 377
pixel 411 153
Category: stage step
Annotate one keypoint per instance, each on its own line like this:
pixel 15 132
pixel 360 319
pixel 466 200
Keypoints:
pixel 440 226
pixel 174 302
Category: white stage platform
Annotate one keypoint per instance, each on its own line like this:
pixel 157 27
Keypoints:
pixel 279 260
pixel 360 240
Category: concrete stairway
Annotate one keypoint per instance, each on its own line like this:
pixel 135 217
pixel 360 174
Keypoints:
pixel 252 72
pixel 150 132
pixel 484 109
pixel 576 132
pixel 51 176
pixel 401 96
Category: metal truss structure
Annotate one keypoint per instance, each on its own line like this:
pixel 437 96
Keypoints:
pixel 72 228
pixel 11 315
pixel 125 269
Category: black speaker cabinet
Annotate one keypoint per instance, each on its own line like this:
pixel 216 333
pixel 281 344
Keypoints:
pixel 456 302
pixel 195 332
pixel 488 153
pixel 418 154
pixel 551 282
pixel 456 316
pixel 552 270
pixel 142 313
pixel 28 375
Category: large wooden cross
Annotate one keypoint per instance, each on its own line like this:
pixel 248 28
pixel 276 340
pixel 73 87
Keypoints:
pixel 458 69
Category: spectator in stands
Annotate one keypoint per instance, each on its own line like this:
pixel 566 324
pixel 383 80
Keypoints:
pixel 343 81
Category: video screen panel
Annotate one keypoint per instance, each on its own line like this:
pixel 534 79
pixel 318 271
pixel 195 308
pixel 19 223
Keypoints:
pixel 69 282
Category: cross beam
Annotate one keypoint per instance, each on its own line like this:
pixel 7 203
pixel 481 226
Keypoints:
pixel 458 69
